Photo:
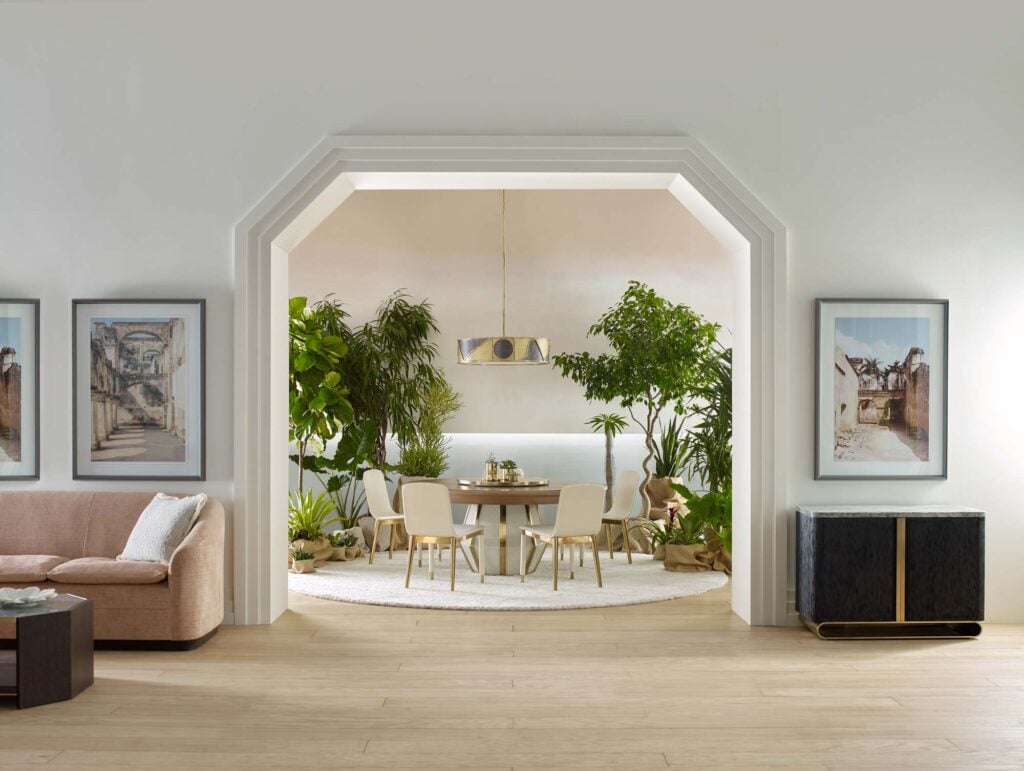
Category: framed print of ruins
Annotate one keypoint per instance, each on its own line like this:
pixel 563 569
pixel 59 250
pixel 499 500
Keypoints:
pixel 19 389
pixel 881 397
pixel 138 370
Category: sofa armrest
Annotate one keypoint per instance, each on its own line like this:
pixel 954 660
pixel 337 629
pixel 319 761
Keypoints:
pixel 196 576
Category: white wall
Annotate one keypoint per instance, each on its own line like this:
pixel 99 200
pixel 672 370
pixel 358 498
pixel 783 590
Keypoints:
pixel 134 135
pixel 571 254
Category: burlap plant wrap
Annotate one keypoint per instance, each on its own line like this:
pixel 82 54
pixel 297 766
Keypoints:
pixel 321 549
pixel 697 557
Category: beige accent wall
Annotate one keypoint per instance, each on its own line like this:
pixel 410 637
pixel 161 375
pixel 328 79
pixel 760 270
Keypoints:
pixel 570 255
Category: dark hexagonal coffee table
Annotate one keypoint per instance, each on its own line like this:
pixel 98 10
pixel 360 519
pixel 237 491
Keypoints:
pixel 53 652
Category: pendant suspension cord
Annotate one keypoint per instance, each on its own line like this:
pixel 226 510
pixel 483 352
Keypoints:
pixel 504 263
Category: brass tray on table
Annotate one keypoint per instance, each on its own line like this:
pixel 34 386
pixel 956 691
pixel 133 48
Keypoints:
pixel 520 483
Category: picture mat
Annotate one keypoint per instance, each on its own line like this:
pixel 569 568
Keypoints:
pixel 26 357
pixel 935 356
pixel 85 313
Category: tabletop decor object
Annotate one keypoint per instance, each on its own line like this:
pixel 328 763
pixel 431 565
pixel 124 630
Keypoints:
pixel 19 389
pixel 491 469
pixel 26 597
pixel 881 403
pixel 138 374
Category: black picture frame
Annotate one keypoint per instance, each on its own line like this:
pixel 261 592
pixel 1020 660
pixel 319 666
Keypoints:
pixel 77 473
pixel 941 307
pixel 36 391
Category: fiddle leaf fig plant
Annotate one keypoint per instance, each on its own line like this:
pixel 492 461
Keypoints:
pixel 317 403
pixel 658 359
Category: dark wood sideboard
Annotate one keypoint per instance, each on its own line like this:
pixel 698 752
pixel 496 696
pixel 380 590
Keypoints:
pixel 883 571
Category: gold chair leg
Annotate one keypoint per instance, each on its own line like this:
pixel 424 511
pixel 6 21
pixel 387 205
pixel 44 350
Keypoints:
pixel 431 549
pixel 408 567
pixel 451 564
pixel 419 553
pixel 480 556
pixel 608 535
pixel 391 543
pixel 581 554
pixel 597 561
pixel 522 557
pixel 572 561
pixel 554 565
pixel 625 540
pixel 376 530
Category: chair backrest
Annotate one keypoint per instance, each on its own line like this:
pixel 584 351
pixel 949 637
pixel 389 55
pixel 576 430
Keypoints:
pixel 376 487
pixel 580 508
pixel 626 487
pixel 428 509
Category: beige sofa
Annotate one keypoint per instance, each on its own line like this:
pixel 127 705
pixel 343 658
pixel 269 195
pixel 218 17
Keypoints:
pixel 69 541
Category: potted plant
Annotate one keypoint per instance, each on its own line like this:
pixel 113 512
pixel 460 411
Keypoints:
pixel 317 403
pixel 611 424
pixel 426 453
pixel 508 471
pixel 308 515
pixel 668 462
pixel 658 358
pixel 345 545
pixel 303 561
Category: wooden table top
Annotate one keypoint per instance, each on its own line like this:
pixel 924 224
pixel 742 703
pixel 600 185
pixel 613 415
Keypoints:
pixel 499 496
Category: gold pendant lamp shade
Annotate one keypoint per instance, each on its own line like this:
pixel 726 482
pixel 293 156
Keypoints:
pixel 503 349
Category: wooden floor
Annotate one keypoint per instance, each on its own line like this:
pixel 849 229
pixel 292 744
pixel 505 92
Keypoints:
pixel 680 683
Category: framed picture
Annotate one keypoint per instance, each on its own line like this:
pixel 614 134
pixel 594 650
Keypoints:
pixel 138 368
pixel 881 404
pixel 19 389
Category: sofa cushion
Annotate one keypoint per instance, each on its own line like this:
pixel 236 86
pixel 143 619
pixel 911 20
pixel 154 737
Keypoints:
pixel 162 527
pixel 102 570
pixel 22 568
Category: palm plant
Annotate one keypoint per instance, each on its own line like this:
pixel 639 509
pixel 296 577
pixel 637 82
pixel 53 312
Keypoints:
pixel 707 446
pixel 611 424
pixel 389 369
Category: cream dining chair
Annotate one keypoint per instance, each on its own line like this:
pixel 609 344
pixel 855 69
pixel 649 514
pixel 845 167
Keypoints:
pixel 577 521
pixel 626 487
pixel 428 519
pixel 380 508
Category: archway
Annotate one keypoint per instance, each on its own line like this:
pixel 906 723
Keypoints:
pixel 340 165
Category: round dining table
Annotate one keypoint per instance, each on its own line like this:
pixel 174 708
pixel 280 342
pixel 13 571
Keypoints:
pixel 504 498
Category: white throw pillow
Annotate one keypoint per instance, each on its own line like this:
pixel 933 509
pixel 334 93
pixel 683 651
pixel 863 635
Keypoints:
pixel 162 527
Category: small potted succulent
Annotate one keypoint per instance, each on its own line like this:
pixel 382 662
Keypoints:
pixel 509 471
pixel 303 562
pixel 345 546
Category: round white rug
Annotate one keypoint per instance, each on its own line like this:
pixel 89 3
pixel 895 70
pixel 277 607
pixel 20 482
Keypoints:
pixel 383 583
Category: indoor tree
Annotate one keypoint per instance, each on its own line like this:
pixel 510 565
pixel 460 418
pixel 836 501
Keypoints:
pixel 317 403
pixel 611 424
pixel 426 454
pixel 389 369
pixel 659 355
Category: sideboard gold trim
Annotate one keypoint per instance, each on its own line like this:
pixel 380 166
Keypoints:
pixel 901 570
pixel 892 630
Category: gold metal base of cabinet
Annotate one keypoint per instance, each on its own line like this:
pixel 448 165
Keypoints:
pixel 893 630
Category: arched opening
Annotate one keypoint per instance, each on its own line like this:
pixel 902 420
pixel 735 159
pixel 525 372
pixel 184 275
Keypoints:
pixel 344 164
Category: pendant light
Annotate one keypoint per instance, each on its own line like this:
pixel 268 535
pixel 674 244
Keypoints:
pixel 503 349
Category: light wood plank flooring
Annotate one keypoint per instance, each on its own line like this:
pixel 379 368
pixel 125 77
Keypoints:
pixel 680 683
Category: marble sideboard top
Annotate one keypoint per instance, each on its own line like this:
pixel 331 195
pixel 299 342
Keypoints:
pixel 931 510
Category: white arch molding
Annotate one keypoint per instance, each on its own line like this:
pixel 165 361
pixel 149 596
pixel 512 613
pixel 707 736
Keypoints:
pixel 339 165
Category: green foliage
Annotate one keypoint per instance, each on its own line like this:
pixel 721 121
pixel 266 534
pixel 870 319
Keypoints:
pixel 707 446
pixel 668 451
pixel 659 358
pixel 713 510
pixel 300 555
pixel 688 529
pixel 389 369
pixel 610 423
pixel 508 465
pixel 308 515
pixel 317 406
pixel 342 539
pixel 342 474
pixel 426 454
